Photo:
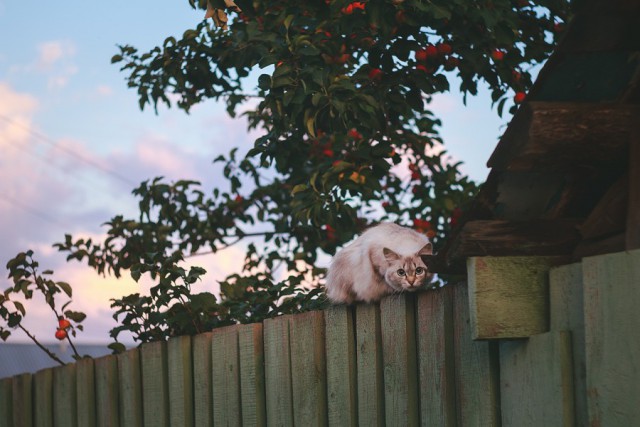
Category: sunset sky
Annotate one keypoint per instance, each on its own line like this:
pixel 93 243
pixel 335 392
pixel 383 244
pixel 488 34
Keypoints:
pixel 74 142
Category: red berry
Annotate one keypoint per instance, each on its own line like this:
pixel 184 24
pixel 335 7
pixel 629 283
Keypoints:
pixel 444 49
pixel 61 334
pixel 421 55
pixel 424 68
pixel 516 76
pixel 347 10
pixel 451 63
pixel 375 74
pixel 358 5
pixel 497 55
pixel 519 97
pixel 328 152
pixel 342 59
pixel 386 204
pixel 238 199
pixel 432 51
pixel 63 323
pixel 415 176
pixel 353 133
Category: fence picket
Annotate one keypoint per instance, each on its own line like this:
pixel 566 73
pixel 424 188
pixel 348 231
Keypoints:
pixel 64 396
pixel 251 354
pixel 130 388
pixel 202 389
pixel 369 366
pixel 536 381
pixel 106 379
pixel 6 402
pixel 341 367
pixel 86 398
pixel 397 314
pixel 226 377
pixel 22 401
pixel 477 370
pixel 43 398
pixel 155 393
pixel 308 366
pixel 179 363
pixel 611 301
pixel 567 313
pixel 277 366
pixel 434 314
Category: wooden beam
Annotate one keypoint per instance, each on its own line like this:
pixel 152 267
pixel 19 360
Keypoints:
pixel 515 238
pixel 509 296
pixel 554 136
pixel 633 210
pixel 609 215
pixel 601 246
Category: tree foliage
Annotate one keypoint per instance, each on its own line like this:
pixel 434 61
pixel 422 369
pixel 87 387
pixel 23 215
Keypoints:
pixel 341 92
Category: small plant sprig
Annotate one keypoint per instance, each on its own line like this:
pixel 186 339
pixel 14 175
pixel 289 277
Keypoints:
pixel 27 281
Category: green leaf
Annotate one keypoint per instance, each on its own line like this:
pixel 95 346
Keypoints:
pixel 117 347
pixel 66 288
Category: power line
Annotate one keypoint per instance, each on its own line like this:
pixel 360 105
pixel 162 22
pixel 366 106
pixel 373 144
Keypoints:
pixel 68 151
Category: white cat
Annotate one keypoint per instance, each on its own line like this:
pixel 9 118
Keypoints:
pixel 383 260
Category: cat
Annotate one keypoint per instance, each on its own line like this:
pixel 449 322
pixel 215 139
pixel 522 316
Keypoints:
pixel 385 259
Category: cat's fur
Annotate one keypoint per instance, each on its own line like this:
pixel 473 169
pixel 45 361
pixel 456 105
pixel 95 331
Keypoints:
pixel 368 268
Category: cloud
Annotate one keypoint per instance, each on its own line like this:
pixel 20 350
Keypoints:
pixel 52 52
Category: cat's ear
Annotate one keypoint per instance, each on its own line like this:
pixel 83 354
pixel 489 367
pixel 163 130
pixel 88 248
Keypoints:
pixel 390 255
pixel 426 249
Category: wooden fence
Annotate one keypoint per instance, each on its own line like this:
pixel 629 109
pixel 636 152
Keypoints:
pixel 407 361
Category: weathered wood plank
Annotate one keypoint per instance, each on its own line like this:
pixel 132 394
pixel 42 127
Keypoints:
pixel 277 367
pixel 536 381
pixel 251 354
pixel 180 381
pixel 225 377
pixel 155 393
pixel 6 402
pixel 567 313
pixel 434 311
pixel 107 399
pixel 202 388
pixel 86 389
pixel 477 369
pixel 609 215
pixel 509 296
pixel 130 388
pixel 612 298
pixel 43 398
pixel 22 400
pixel 64 396
pixel 397 314
pixel 554 134
pixel 341 366
pixel 308 365
pixel 369 366
pixel 515 238
pixel 633 209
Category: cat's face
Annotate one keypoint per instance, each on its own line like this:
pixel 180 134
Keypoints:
pixel 407 273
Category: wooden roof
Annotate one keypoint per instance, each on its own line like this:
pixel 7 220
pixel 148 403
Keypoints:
pixel 565 175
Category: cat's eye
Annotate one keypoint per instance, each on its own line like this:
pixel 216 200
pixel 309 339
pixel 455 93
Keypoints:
pixel 420 271
pixel 401 272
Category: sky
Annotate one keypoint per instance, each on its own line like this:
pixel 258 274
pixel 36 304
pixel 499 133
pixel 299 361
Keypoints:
pixel 74 143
